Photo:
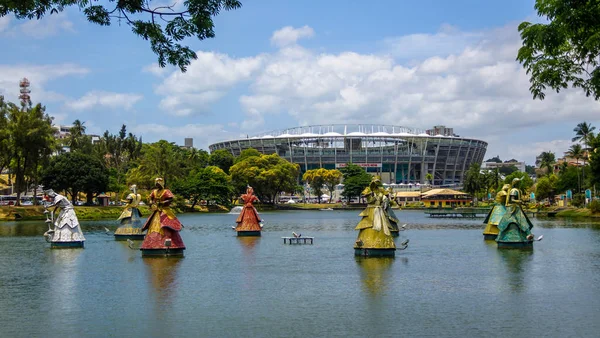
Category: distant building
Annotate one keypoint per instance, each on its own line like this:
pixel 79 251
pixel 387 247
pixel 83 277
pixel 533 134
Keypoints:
pixel 188 142
pixel 441 130
pixel 493 165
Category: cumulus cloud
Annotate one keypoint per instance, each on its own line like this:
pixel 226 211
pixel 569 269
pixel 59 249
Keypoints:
pixel 289 35
pixel 49 25
pixel 38 76
pixel 466 80
pixel 104 99
pixel 207 79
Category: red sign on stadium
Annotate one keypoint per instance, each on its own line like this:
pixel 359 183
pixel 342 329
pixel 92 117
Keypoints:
pixel 364 165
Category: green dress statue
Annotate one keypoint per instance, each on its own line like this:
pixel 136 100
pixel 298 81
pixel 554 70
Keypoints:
pixel 495 215
pixel 374 237
pixel 514 227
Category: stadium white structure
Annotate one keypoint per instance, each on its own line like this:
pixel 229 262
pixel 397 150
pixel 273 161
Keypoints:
pixel 398 154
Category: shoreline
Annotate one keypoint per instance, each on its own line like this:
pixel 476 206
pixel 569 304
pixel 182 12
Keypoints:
pixel 32 213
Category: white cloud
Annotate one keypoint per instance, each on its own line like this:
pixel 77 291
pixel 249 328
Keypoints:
pixel 289 35
pixel 206 80
pixel 38 76
pixel 155 70
pixel 49 25
pixel 4 23
pixel 466 80
pixel 104 99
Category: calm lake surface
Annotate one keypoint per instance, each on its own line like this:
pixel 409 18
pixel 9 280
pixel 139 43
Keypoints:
pixel 449 282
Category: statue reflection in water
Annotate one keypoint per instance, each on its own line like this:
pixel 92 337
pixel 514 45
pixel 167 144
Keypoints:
pixel 65 292
pixel 517 265
pixel 375 273
pixel 162 273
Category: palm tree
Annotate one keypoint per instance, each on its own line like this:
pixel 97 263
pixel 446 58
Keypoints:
pixel 547 160
pixel 576 152
pixel 584 132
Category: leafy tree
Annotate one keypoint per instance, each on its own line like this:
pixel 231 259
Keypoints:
pixel 525 182
pixel 269 175
pixel 568 179
pixel 545 187
pixel 77 139
pixel 473 182
pixel 5 149
pixel 145 17
pixel 594 161
pixel 495 159
pixel 356 179
pixel 247 153
pixel 31 140
pixel 75 173
pixel 315 178
pixel 507 170
pixel 209 184
pixel 530 169
pixel 429 178
pixel 221 158
pixel 547 161
pixel 161 159
pixel 565 50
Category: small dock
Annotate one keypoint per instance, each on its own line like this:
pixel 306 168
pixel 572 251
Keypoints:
pixel 458 213
pixel 297 240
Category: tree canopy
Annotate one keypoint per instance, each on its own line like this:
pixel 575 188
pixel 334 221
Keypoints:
pixel 356 179
pixel 565 50
pixel 269 175
pixel 165 26
pixel 210 184
pixel 75 173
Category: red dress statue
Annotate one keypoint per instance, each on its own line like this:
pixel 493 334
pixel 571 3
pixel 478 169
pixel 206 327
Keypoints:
pixel 248 220
pixel 163 227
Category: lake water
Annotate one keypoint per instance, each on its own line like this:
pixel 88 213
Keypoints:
pixel 449 282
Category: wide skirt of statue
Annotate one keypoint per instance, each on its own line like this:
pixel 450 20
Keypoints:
pixel 161 227
pixel 492 220
pixel 374 230
pixel 248 220
pixel 67 228
pixel 393 222
pixel 131 222
pixel 514 227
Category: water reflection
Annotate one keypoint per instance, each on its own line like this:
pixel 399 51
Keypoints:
pixel 517 264
pixel 374 273
pixel 62 289
pixel 162 273
pixel 8 229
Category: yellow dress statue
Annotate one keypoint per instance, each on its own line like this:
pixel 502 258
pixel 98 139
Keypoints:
pixel 131 223
pixel 374 237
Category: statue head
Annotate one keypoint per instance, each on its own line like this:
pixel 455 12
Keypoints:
pixel 375 181
pixel 50 193
pixel 159 182
pixel 133 188
pixel 249 190
pixel 506 187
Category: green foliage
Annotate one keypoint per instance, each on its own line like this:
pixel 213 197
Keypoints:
pixel 161 24
pixel 529 169
pixel 547 161
pixel 594 206
pixel 75 173
pixel 247 153
pixel 356 179
pixel 495 159
pixel 578 200
pixel 473 182
pixel 568 180
pixel 269 175
pixel 317 178
pixel 221 158
pixel 525 182
pixel 210 184
pixel 584 132
pixel 545 188
pixel 565 50
pixel 30 142
pixel 507 170
pixel 161 159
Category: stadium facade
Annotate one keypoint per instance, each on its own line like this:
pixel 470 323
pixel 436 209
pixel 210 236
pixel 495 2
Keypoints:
pixel 398 154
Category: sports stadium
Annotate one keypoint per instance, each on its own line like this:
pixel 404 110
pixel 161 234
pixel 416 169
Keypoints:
pixel 397 154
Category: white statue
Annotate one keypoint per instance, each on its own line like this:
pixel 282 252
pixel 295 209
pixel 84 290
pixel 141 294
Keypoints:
pixel 67 231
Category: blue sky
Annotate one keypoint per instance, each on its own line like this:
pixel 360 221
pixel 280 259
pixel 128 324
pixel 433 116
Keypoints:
pixel 280 64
